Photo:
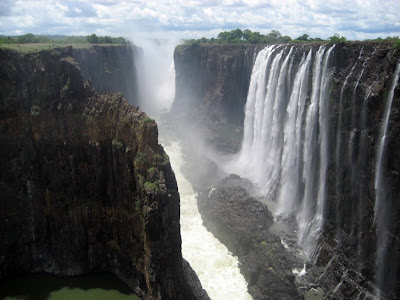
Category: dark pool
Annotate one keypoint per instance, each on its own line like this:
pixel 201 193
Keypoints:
pixel 43 286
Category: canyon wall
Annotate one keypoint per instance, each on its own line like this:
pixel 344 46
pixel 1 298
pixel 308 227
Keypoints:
pixel 358 245
pixel 110 69
pixel 213 80
pixel 84 184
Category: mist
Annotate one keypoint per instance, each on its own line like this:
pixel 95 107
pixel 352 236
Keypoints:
pixel 156 74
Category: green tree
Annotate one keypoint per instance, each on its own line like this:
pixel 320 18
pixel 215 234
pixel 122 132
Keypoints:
pixel 246 34
pixel 92 39
pixel 224 36
pixel 274 34
pixel 254 38
pixel 336 39
pixel 303 37
pixel 286 39
pixel 26 38
pixel 237 34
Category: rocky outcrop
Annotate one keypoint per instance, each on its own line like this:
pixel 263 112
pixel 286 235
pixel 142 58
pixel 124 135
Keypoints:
pixel 242 223
pixel 84 184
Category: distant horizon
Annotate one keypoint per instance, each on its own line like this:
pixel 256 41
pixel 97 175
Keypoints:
pixel 393 39
pixel 355 20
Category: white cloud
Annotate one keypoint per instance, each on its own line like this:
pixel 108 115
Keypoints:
pixel 357 19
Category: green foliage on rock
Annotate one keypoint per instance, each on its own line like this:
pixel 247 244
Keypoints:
pixel 146 121
pixel 117 144
pixel 151 187
pixel 140 157
pixel 139 204
pixel 166 159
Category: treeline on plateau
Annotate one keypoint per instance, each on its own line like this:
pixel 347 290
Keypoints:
pixel 62 39
pixel 246 36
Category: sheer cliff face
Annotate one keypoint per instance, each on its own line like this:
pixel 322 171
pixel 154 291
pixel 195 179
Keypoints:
pixel 110 69
pixel 84 184
pixel 213 79
pixel 360 238
pixel 357 226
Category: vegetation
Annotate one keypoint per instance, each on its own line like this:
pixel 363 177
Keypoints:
pixel 30 38
pixel 94 39
pixel 119 145
pixel 395 40
pixel 140 157
pixel 238 36
pixel 166 159
pixel 139 204
pixel 151 186
pixel 246 36
pixel 146 121
pixel 151 170
pixel 336 39
pixel 30 42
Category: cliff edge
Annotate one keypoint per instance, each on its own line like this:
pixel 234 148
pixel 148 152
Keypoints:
pixel 84 184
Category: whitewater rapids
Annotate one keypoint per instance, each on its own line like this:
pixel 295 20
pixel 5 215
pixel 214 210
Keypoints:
pixel 217 269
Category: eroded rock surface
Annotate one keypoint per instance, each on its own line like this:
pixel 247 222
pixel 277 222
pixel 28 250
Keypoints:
pixel 84 184
pixel 242 223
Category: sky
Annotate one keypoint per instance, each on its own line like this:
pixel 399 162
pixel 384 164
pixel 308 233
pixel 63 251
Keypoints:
pixel 185 19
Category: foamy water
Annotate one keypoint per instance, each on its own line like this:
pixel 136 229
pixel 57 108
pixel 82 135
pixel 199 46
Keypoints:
pixel 215 266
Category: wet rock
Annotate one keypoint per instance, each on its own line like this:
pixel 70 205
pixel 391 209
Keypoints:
pixel 242 224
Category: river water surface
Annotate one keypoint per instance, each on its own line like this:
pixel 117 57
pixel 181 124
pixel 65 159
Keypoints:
pixel 215 266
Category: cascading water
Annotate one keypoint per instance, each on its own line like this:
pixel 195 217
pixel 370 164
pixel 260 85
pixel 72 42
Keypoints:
pixel 310 226
pixel 293 135
pixel 383 201
pixel 285 144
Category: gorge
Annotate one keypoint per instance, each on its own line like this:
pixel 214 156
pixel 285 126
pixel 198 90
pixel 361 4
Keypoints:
pixel 310 129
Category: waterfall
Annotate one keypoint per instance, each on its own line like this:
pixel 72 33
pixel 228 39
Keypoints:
pixel 254 105
pixel 383 202
pixel 316 134
pixel 285 143
pixel 293 135
pixel 379 187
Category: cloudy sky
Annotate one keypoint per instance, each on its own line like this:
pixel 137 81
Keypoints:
pixel 355 19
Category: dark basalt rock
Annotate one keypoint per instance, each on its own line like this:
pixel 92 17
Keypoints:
pixel 213 79
pixel 242 224
pixel 76 168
